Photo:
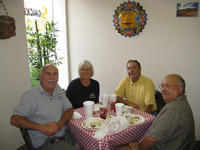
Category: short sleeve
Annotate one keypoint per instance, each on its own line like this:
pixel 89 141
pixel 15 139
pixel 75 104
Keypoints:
pixel 150 95
pixel 66 102
pixel 24 108
pixel 97 90
pixel 165 125
pixel 120 90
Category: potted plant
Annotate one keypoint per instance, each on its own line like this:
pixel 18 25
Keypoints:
pixel 41 49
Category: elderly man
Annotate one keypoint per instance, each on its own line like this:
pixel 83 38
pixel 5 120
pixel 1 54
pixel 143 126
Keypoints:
pixel 173 128
pixel 44 110
pixel 136 90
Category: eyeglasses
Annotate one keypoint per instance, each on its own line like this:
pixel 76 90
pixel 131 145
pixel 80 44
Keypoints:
pixel 166 86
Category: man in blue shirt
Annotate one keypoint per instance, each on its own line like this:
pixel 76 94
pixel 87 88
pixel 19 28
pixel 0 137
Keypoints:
pixel 45 110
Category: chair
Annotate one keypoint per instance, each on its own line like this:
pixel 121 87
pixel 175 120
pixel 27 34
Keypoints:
pixel 197 145
pixel 159 101
pixel 27 138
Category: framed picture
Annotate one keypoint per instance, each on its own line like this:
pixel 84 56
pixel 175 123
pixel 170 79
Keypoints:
pixel 189 9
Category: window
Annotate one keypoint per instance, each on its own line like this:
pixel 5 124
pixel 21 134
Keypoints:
pixel 51 10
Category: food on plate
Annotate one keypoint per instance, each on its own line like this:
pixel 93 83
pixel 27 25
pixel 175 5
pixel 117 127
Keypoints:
pixel 127 109
pixel 93 123
pixel 134 119
pixel 109 116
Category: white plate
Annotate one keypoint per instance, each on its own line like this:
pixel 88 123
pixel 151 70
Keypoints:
pixel 134 119
pixel 93 123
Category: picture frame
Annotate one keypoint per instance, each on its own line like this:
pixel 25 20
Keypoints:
pixel 188 9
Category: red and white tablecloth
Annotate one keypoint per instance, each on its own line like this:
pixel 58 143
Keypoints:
pixel 85 138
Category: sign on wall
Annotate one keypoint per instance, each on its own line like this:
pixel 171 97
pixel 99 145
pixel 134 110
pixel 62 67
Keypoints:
pixel 38 10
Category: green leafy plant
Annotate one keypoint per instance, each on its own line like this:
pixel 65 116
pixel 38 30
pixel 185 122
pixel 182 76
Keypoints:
pixel 41 49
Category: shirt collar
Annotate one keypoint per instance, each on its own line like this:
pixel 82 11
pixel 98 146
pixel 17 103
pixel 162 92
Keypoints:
pixel 178 98
pixel 56 91
pixel 138 81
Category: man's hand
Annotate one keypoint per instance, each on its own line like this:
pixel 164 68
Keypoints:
pixel 134 146
pixel 59 125
pixel 126 102
pixel 134 105
pixel 49 129
pixel 149 109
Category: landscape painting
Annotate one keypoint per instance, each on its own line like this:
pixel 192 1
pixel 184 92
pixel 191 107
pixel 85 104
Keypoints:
pixel 189 9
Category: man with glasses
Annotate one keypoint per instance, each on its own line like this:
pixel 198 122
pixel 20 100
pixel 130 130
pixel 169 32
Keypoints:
pixel 173 128
pixel 136 90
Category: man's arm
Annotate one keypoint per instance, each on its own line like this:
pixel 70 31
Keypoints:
pixel 121 100
pixel 146 144
pixel 22 122
pixel 149 108
pixel 67 115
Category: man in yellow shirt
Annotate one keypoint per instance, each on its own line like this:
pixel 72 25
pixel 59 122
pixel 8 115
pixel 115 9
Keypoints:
pixel 136 90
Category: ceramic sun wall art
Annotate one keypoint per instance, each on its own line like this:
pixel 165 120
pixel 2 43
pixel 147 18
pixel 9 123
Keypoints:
pixel 129 19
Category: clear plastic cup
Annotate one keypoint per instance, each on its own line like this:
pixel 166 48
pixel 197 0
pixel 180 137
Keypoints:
pixel 105 100
pixel 88 108
pixel 119 109
pixel 113 97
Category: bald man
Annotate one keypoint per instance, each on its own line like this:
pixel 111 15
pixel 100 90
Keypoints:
pixel 173 128
pixel 45 110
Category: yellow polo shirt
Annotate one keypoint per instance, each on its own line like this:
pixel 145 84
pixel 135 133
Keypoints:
pixel 142 92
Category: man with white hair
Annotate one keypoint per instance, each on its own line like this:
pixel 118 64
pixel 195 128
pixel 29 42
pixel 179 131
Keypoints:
pixel 45 110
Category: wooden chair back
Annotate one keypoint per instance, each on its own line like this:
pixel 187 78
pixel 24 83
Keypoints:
pixel 159 101
pixel 27 138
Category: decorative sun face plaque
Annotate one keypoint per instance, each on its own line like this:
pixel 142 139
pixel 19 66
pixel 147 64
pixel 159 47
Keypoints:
pixel 129 19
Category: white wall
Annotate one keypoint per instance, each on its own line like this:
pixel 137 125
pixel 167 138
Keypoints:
pixel 167 44
pixel 14 76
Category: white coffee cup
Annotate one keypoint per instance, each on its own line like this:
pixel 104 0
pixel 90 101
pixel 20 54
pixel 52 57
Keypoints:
pixel 88 107
pixel 119 109
pixel 105 100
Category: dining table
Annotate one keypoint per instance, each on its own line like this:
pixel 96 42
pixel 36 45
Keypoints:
pixel 87 141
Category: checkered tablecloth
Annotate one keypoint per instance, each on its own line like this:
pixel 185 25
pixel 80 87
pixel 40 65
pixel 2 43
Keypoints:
pixel 85 138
